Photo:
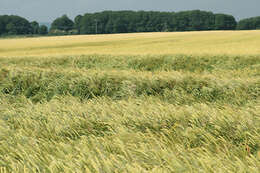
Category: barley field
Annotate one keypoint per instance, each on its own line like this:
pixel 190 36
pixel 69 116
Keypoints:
pixel 148 102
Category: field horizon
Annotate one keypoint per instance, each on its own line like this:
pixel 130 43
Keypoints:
pixel 213 43
pixel 146 102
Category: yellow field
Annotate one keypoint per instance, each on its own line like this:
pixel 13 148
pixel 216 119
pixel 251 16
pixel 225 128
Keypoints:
pixel 135 103
pixel 196 43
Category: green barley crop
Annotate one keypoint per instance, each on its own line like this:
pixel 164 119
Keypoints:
pixel 125 112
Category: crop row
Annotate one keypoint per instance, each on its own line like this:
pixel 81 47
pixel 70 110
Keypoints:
pixel 141 63
pixel 139 134
pixel 43 86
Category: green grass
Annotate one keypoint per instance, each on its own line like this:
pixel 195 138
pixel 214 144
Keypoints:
pixel 130 113
pixel 140 63
pixel 42 86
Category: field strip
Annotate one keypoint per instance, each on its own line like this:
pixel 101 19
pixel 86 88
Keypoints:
pixel 146 102
pixel 189 43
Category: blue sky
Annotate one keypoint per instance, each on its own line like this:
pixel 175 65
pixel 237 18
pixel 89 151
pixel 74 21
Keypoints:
pixel 48 10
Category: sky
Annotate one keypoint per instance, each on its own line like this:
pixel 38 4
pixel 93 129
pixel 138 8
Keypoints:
pixel 48 10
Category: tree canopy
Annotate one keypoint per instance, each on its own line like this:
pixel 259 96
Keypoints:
pixel 249 23
pixel 35 27
pixel 152 21
pixel 16 25
pixel 107 22
pixel 43 30
pixel 62 23
pixel 225 22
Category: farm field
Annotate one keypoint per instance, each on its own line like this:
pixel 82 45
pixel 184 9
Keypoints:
pixel 188 43
pixel 148 102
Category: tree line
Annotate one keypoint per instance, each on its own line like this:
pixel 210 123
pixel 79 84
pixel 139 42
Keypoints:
pixel 16 25
pixel 108 22
pixel 249 23
pixel 130 21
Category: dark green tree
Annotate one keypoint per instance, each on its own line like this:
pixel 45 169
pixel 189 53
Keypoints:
pixel 2 27
pixel 15 25
pixel 43 30
pixel 77 23
pixel 62 23
pixel 35 27
pixel 128 21
pixel 11 28
pixel 249 23
pixel 225 22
